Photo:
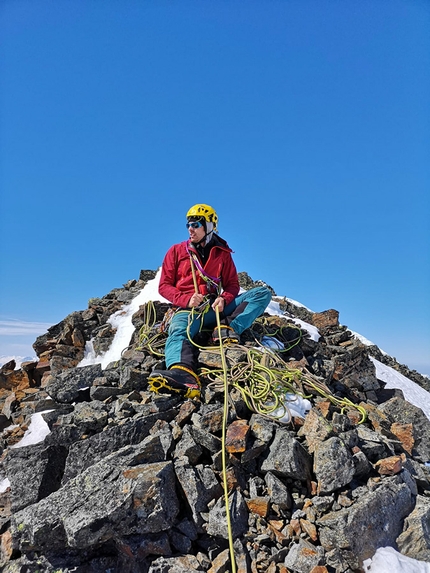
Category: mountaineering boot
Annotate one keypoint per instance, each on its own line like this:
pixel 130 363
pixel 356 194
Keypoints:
pixel 226 333
pixel 178 378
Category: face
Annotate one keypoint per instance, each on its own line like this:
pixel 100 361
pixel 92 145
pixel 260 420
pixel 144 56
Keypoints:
pixel 196 235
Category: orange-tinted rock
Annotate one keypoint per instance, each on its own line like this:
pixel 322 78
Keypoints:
pixel 14 380
pixel 78 338
pixel 6 546
pixel 323 407
pixel 258 505
pixel 389 466
pixel 232 479
pixel 185 412
pixel 220 562
pixel 325 319
pixel 280 537
pixel 236 437
pixel 316 429
pixel 405 433
pixel 309 528
pixel 8 366
pixel 277 524
pixel 295 524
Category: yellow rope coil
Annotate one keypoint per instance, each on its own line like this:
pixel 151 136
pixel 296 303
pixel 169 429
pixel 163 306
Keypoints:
pixel 263 379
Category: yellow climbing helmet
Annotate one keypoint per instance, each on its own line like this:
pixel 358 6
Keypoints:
pixel 205 212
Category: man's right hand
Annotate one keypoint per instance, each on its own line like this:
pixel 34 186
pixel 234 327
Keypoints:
pixel 196 300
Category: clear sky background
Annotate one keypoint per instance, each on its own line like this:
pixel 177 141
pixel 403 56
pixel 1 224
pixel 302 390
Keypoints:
pixel 304 123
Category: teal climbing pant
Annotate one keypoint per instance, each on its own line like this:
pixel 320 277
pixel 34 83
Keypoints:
pixel 239 315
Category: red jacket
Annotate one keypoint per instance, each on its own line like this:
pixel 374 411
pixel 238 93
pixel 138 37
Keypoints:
pixel 176 282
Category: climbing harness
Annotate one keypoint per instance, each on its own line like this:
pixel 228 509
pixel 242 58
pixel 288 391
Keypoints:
pixel 213 284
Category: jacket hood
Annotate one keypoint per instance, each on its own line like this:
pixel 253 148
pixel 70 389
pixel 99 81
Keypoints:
pixel 216 241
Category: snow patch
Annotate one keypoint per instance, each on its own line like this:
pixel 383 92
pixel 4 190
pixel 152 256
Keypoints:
pixel 274 309
pixel 37 431
pixel 121 321
pixel 18 360
pixel 411 391
pixel 4 484
pixel 388 560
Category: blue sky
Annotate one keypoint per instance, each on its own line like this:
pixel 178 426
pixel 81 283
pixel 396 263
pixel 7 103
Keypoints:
pixel 304 123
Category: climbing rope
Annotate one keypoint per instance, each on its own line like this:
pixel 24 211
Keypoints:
pixel 264 378
pixel 152 336
pixel 223 447
pixel 224 422
pixel 271 329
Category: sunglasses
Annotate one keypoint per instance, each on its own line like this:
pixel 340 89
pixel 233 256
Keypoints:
pixel 194 225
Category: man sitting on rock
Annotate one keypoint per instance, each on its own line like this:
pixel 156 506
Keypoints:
pixel 199 277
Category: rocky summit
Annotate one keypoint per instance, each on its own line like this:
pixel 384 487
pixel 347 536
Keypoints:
pixel 125 480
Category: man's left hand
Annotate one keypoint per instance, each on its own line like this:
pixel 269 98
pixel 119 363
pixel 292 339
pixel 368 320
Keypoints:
pixel 219 303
